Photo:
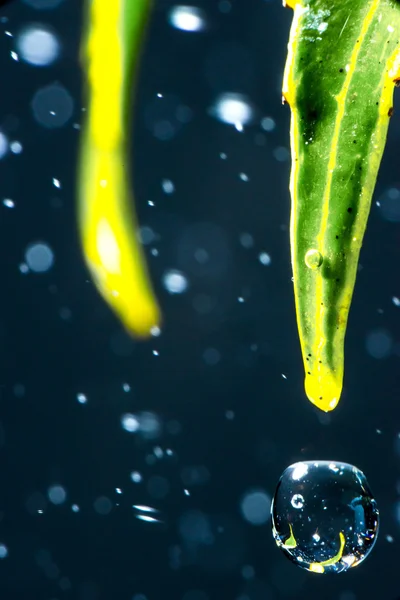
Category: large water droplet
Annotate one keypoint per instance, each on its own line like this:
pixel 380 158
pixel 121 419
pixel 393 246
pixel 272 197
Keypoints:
pixel 324 516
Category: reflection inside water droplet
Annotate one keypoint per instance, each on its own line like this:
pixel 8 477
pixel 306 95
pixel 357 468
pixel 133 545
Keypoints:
pixel 313 259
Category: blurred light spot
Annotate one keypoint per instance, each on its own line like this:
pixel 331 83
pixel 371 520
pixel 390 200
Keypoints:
pixel 389 205
pixel 139 597
pixel 379 343
pixel 3 551
pixel 268 124
pixel 175 282
pixel 82 398
pixel 201 255
pixel 146 423
pixel 38 46
pixel 39 257
pixel 57 183
pixel 146 235
pixel 281 154
pixel 187 18
pixel 158 452
pixel 52 106
pixel 150 425
pixel 65 313
pixel 211 356
pixel 102 505
pixel 16 147
pixel 246 240
pixel 148 519
pixel 155 331
pixel 144 508
pixel 75 508
pixel 136 477
pixel 255 507
pixel 232 109
pixel 396 301
pixel 168 186
pixel 8 203
pixel 57 494
pixel 248 572
pixel 3 145
pixel 130 422
pixel 243 177
pixel 264 258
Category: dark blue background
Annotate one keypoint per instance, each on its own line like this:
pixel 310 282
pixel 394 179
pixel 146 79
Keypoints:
pixel 47 437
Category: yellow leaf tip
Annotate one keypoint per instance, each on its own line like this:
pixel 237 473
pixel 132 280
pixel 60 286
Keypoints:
pixel 324 392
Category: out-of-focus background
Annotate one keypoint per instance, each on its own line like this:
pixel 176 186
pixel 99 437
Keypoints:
pixel 144 471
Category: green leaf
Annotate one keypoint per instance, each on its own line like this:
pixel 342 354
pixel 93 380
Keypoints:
pixel 342 65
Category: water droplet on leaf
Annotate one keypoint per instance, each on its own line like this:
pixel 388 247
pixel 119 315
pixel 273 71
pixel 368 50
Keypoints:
pixel 313 259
